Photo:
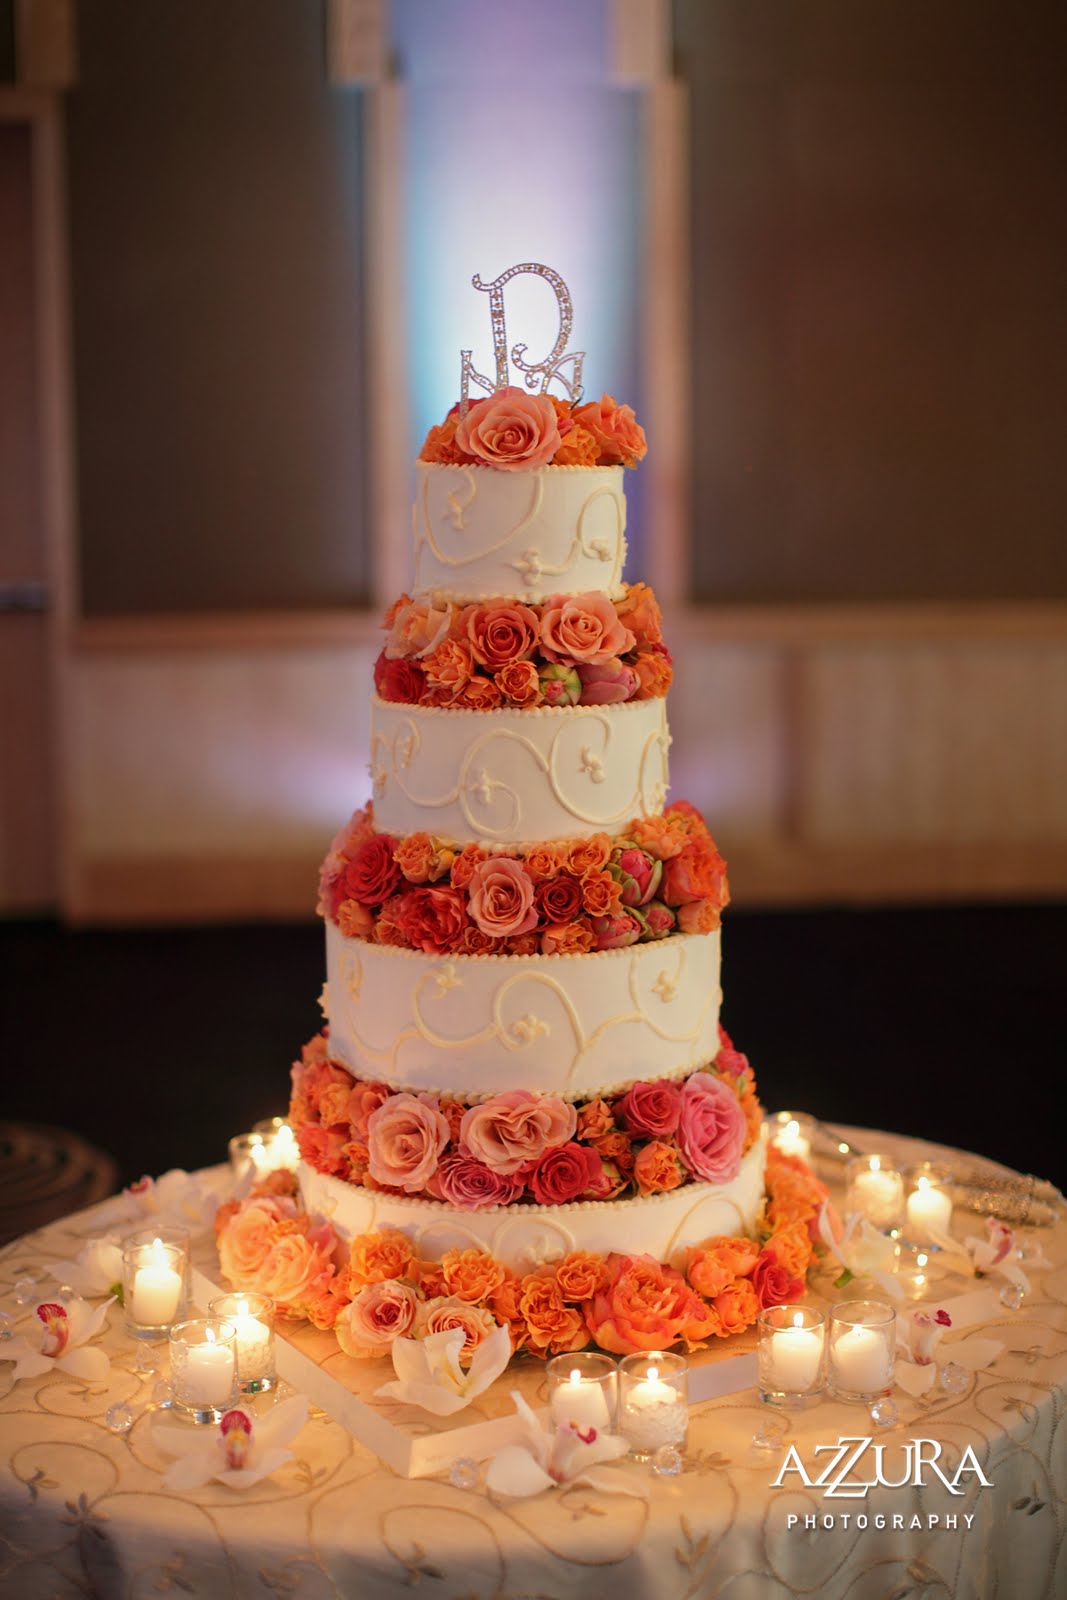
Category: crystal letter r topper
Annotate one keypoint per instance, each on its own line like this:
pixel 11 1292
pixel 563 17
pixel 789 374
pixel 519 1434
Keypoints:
pixel 533 371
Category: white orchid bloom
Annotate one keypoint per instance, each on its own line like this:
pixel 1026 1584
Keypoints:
pixel 997 1255
pixel 862 1251
pixel 429 1374
pixel 177 1198
pixel 918 1338
pixel 549 1457
pixel 239 1452
pixel 60 1344
pixel 95 1270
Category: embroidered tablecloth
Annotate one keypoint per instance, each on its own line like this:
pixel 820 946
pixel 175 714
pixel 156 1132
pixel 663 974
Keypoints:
pixel 83 1510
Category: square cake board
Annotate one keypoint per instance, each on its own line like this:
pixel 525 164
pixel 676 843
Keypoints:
pixel 411 1441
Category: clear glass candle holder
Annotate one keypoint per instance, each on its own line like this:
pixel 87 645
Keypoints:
pixel 583 1389
pixel 167 1233
pixel 927 1204
pixel 875 1190
pixel 792 1355
pixel 250 1154
pixel 253 1318
pixel 155 1274
pixel 792 1133
pixel 862 1347
pixel 203 1368
pixel 653 1401
pixel 914 1274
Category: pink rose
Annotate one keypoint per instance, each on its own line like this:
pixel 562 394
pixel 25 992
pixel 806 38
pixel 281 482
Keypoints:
pixel 651 1110
pixel 364 1098
pixel 711 1128
pixel 608 684
pixel 293 1267
pixel 405 1137
pixel 500 635
pixel 563 1173
pixel 583 628
pixel 469 1185
pixel 501 897
pixel 615 933
pixel 511 430
pixel 376 1316
pixel 512 1130
pixel 323 1148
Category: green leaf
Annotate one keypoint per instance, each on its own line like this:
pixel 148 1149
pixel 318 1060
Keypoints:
pixel 844 1280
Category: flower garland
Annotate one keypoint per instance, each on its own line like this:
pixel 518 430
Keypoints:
pixel 377 1289
pixel 520 1147
pixel 578 649
pixel 422 892
pixel 515 431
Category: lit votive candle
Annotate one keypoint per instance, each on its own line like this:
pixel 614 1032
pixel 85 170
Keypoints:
pixel 653 1401
pixel 252 1316
pixel 203 1367
pixel 876 1191
pixel 791 1346
pixel 582 1390
pixel 791 1133
pixel 153 1286
pixel 862 1348
pixel 250 1154
pixel 929 1204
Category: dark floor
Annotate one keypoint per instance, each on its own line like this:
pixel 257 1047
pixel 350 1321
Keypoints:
pixel 947 1022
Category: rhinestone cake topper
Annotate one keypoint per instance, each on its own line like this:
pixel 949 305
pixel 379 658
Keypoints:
pixel 534 372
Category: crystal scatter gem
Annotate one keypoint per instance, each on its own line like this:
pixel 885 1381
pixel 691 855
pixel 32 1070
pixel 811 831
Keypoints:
pixel 536 374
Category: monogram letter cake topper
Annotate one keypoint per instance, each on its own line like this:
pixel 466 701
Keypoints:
pixel 535 373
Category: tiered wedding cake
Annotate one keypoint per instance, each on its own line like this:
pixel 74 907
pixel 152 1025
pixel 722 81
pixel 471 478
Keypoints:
pixel 523 1099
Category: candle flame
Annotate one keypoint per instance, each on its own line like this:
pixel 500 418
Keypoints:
pixel 921 1260
pixel 242 1308
pixel 209 1335
pixel 798 1319
pixel 653 1374
pixel 924 1183
pixel 792 1128
pixel 576 1376
pixel 876 1163
pixel 844 1148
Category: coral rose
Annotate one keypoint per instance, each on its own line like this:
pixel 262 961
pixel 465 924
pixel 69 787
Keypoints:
pixel 422 858
pixel 791 1248
pixel 640 611
pixel 399 680
pixel 657 1167
pixel 322 1148
pixel 711 1129
pixel 431 919
pixel 713 1266
pixel 615 1147
pixel 500 633
pixel 737 1307
pixel 580 1275
pixel 355 921
pixel 697 873
pixel 520 684
pixel 511 430
pixel 601 893
pixel 619 436
pixel 384 1253
pixel 661 837
pixel 372 875
pixel 651 1109
pixel 471 1275
pixel 567 939
pixel 480 694
pixel 376 1316
pixel 595 1119
pixel 463 866
pixel 563 1173
pixel 450 667
pixel 589 854
pixel 582 628
pixel 440 445
pixel 699 916
pixel 644 1306
pixel 513 1130
pixel 552 1326
pixel 406 1136
pixel 501 897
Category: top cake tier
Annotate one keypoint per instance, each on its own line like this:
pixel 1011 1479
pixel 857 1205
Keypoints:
pixel 480 533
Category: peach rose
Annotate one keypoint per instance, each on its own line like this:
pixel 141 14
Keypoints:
pixel 511 430
pixel 644 1306
pixel 450 667
pixel 520 684
pixel 583 627
pixel 513 1129
pixel 699 916
pixel 385 1253
pixel 444 1312
pixel 423 858
pixel 417 628
pixel 543 861
pixel 471 856
pixel 620 437
pixel 294 1264
pixel 500 634
pixel 471 1275
pixel 567 939
pixel 380 1313
pixel 601 893
pixel 713 1266
pixel 406 1136
pixel 580 1275
pixel 587 855
pixel 657 1167
pixel 245 1242
pixel 737 1307
pixel 354 920
pixel 502 897
pixel 480 694
pixel 552 1326
pixel 640 611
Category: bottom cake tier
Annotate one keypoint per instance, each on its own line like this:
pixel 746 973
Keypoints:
pixel 524 1237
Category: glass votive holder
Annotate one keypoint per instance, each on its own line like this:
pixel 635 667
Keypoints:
pixel 203 1367
pixel 792 1355
pixel 154 1278
pixel 913 1273
pixel 250 1154
pixel 875 1190
pixel 653 1401
pixel 862 1349
pixel 583 1389
pixel 928 1203
pixel 166 1233
pixel 792 1133
pixel 252 1316
pixel 269 1125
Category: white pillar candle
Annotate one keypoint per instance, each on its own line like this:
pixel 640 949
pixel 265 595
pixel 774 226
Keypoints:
pixel 653 1413
pixel 208 1376
pixel 929 1210
pixel 253 1345
pixel 795 1354
pixel 283 1150
pixel 878 1194
pixel 861 1360
pixel 789 1138
pixel 582 1401
pixel 157 1290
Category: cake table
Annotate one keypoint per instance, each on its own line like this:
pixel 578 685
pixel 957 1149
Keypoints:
pixel 83 1510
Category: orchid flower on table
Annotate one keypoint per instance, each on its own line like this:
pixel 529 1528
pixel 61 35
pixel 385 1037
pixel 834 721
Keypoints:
pixel 429 1373
pixel 549 1458
pixel 95 1270
pixel 997 1255
pixel 61 1343
pixel 862 1252
pixel 240 1452
pixel 918 1339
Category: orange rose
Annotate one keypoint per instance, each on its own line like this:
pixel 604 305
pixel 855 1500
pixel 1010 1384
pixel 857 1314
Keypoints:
pixel 791 1246
pixel 713 1266
pixel 585 855
pixel 440 445
pixel 480 694
pixel 595 1120
pixel 753 1117
pixel 500 632
pixel 644 1306
pixel 737 1307
pixel 504 1304
pixel 519 683
pixel 567 939
pixel 699 916
pixel 581 1275
pixel 655 674
pixel 552 1326
pixel 388 929
pixel 387 1253
pixel 291 1269
pixel 333 1103
pixel 697 873
pixel 355 921
pixel 423 859
pixel 471 1275
pixel 450 667
pixel 324 1304
pixel 357 1160
pixel 657 1167
pixel 616 1147
pixel 543 861
pixel 511 430
pixel 661 837
pixel 522 944
pixel 430 1278
pixel 620 437
pixel 476 943
pixel 640 611
pixel 601 893
pixel 578 449
pixel 471 856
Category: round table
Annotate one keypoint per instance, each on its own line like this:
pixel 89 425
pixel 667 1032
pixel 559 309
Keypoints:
pixel 83 1510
